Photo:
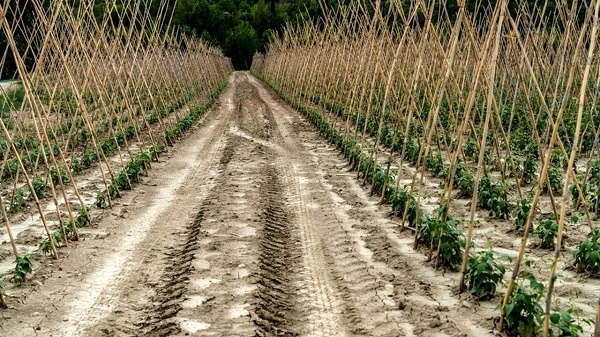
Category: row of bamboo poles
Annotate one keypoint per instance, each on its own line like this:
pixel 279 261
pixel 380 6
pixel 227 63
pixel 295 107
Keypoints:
pixel 492 77
pixel 98 92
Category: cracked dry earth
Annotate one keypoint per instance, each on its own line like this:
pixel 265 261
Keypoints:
pixel 254 226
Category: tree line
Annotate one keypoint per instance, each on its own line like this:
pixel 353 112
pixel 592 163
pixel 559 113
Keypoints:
pixel 243 27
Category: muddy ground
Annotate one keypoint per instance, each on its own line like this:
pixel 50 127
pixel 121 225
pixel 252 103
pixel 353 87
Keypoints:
pixel 252 226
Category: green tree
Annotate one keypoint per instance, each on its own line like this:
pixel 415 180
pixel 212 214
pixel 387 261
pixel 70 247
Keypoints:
pixel 241 44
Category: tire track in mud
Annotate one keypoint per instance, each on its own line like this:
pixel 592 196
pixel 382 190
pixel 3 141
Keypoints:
pixel 200 306
pixel 159 317
pixel 324 298
pixel 275 311
pixel 276 296
pixel 119 305
pixel 370 273
pixel 120 280
pixel 158 320
pixel 297 294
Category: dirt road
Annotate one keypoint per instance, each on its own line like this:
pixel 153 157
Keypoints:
pixel 254 226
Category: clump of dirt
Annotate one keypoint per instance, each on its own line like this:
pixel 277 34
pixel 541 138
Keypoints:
pixel 29 237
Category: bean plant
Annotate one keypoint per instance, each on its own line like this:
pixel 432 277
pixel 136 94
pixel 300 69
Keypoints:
pixel 484 273
pixel 587 254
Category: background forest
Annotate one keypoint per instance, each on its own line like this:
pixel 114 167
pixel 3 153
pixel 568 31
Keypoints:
pixel 242 27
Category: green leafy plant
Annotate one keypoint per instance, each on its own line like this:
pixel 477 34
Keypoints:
pixel 89 157
pixel 45 246
pixel 555 177
pixel 546 231
pixel 108 145
pixel 121 181
pixel 465 183
pixel 383 179
pixel 558 160
pixel 521 213
pixel 69 229
pixel 39 186
pixel 529 170
pixel 493 196
pixel 587 255
pixel 23 267
pixel 18 201
pixel 470 149
pixel 523 310
pixel 562 324
pixel 586 188
pixel 412 151
pixel 54 174
pixel 76 166
pixel 441 232
pixel 101 201
pixel 156 150
pixel 57 237
pixel 84 216
pixel 398 199
pixel 113 191
pixel 435 163
pixel 594 173
pixel 483 275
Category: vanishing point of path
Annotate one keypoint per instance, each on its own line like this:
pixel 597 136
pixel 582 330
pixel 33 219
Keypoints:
pixel 251 226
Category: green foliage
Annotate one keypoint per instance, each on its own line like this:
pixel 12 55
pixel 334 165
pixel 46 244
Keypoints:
pixel 465 183
pixel 45 246
pixel 57 237
pixel 39 186
pixel 382 178
pixel 23 267
pixel 523 310
pixel 125 179
pixel 441 230
pixel 69 230
pixel 470 149
pixel 89 157
pixel 18 201
pixel 76 165
pixel 546 231
pixel 529 170
pixel 84 216
pixel 11 169
pixel 587 255
pixel 521 213
pixel 412 152
pixel 54 174
pixel 398 199
pixel 564 325
pixel 558 160
pixel 594 173
pixel 242 41
pixel 13 99
pixel 225 23
pixel 121 181
pixel 493 196
pixel 435 163
pixel 483 275
pixel 101 200
pixel 590 197
pixel 555 177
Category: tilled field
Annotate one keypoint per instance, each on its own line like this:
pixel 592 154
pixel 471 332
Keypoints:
pixel 254 226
